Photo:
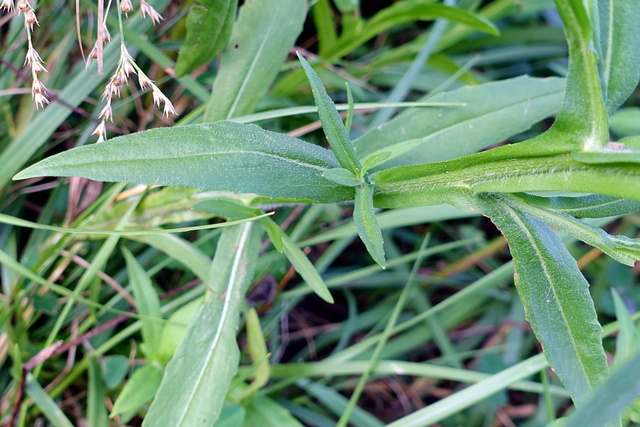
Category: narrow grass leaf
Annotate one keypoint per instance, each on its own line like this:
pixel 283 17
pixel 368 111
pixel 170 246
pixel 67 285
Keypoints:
pixel 367 224
pixel 405 12
pixel 628 339
pixel 257 351
pixel 261 39
pixel 262 410
pixel 148 305
pixel 96 409
pixel 218 156
pixel 196 380
pixel 619 60
pixel 209 25
pixel 138 390
pixel 332 125
pixel 556 299
pixel 326 27
pixel 50 409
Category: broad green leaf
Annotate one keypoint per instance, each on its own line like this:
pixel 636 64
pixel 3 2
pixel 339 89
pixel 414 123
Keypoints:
pixel 367 224
pixel 262 410
pixel 342 176
pixel 592 206
pixel 615 395
pixel 404 12
pixel 332 125
pixel 217 156
pixel 231 416
pixel 148 305
pixel 138 390
pixel 626 121
pixel 197 377
pixel 619 60
pixel 492 112
pixel 621 248
pixel 305 268
pixel 175 328
pixel 261 39
pixel 209 25
pixel 556 299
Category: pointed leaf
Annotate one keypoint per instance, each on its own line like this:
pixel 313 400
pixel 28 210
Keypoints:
pixel 218 156
pixel 492 112
pixel 148 305
pixel 342 176
pixel 621 248
pixel 261 39
pixel 209 25
pixel 196 380
pixel 305 268
pixel 556 299
pixel 619 60
pixel 592 206
pixel 367 224
pixel 332 124
pixel 138 390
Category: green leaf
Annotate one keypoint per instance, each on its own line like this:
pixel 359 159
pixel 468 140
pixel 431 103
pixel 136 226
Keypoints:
pixel 592 206
pixel 367 224
pixel 148 305
pixel 492 113
pixel 138 390
pixel 96 409
pixel 621 248
pixel 305 268
pixel 326 27
pixel 234 210
pixel 404 12
pixel 217 156
pixel 196 380
pixel 257 351
pixel 615 395
pixel 628 339
pixel 209 25
pixel 176 327
pixel 261 39
pixel 376 159
pixel 262 411
pixel 50 409
pixel 556 299
pixel 626 121
pixel 342 176
pixel 332 124
pixel 619 61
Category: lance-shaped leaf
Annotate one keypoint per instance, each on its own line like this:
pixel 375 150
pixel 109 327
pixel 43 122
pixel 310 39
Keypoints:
pixel 591 206
pixel 556 299
pixel 198 376
pixel 332 125
pixel 491 112
pixel 217 156
pixel 209 25
pixel 367 224
pixel 619 59
pixel 259 44
pixel 620 248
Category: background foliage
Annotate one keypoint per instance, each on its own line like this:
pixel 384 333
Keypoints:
pixel 92 312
